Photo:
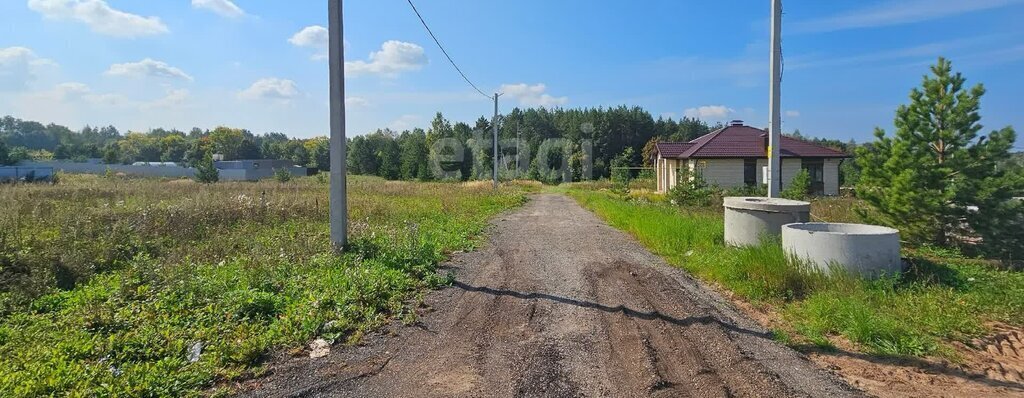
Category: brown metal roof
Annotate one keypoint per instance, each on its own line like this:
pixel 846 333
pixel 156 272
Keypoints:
pixel 742 142
pixel 672 149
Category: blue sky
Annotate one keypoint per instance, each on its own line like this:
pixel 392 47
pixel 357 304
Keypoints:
pixel 260 64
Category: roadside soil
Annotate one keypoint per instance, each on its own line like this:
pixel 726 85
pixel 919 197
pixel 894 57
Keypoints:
pixel 989 367
pixel 559 304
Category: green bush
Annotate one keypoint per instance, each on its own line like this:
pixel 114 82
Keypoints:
pixel 692 190
pixel 282 175
pixel 799 188
pixel 750 190
pixel 620 171
pixel 206 173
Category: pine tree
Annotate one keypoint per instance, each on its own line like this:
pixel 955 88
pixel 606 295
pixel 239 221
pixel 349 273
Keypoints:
pixel 205 171
pixel 926 178
pixel 799 188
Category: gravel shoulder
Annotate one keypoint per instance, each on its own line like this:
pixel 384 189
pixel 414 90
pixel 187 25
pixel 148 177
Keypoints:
pixel 559 304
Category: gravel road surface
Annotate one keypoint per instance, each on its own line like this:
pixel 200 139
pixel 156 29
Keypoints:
pixel 559 304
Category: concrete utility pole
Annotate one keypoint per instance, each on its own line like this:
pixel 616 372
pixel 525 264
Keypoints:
pixel 494 160
pixel 775 103
pixel 339 198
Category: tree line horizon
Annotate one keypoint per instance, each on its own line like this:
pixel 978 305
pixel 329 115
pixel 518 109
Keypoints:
pixel 408 154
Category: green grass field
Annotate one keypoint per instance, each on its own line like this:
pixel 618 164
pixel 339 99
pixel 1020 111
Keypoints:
pixel 944 297
pixel 107 284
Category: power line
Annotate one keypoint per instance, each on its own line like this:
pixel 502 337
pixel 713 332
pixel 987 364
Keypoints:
pixel 445 52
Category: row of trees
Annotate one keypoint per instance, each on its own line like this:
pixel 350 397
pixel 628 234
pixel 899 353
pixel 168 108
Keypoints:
pixel 588 140
pixel 21 140
pixel 593 136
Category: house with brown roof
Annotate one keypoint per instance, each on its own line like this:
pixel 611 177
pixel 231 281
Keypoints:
pixel 736 156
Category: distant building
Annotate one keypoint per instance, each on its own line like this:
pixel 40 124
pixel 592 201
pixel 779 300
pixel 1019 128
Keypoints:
pixel 25 174
pixel 736 156
pixel 232 170
pixel 258 169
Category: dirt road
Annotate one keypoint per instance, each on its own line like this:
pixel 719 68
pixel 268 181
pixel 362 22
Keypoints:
pixel 558 304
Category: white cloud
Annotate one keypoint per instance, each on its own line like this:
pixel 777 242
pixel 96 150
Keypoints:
pixel 890 13
pixel 356 101
pixel 393 58
pixel 100 17
pixel 792 113
pixel 271 88
pixel 709 112
pixel 224 8
pixel 19 66
pixel 534 95
pixel 315 36
pixel 148 68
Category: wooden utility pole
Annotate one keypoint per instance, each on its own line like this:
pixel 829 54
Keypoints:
pixel 338 195
pixel 774 102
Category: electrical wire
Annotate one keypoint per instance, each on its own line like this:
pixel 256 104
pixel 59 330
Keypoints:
pixel 445 52
pixel 782 54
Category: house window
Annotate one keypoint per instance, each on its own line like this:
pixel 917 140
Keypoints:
pixel 750 172
pixel 816 170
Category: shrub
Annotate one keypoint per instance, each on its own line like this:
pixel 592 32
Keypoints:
pixel 750 190
pixel 692 190
pixel 800 186
pixel 282 175
pixel 621 172
pixel 206 173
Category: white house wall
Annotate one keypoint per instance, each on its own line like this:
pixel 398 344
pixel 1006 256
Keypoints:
pixel 725 173
pixel 728 173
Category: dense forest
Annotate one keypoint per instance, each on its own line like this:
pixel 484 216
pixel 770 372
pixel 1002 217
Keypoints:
pixel 527 137
pixel 587 140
